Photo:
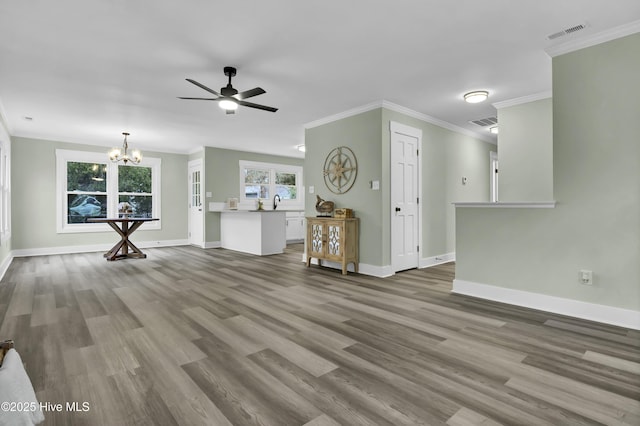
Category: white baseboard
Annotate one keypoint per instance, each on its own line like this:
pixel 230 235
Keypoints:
pixel 363 268
pixel 212 244
pixel 426 262
pixel 45 251
pixel 574 308
pixel 5 264
pixel 387 270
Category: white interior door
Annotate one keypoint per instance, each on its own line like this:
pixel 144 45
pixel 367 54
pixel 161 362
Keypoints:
pixel 405 232
pixel 196 217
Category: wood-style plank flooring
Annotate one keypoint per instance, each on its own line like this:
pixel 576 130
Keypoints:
pixel 214 337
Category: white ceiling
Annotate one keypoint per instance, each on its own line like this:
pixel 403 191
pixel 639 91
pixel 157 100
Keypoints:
pixel 87 70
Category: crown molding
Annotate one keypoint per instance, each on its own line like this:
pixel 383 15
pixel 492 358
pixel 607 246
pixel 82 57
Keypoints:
pixel 523 100
pixel 594 39
pixel 341 115
pixel 402 110
pixel 436 121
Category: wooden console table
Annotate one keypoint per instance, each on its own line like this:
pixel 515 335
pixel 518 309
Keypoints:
pixel 333 239
pixel 128 227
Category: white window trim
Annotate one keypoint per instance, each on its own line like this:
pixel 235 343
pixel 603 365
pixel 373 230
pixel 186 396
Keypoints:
pixel 5 190
pixel 298 203
pixel 63 156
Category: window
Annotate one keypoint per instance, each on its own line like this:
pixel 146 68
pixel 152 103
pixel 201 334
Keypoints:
pixel 135 188
pixel 5 190
pixel 264 181
pixel 91 187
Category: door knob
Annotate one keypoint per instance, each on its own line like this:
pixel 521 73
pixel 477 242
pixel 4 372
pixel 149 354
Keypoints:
pixel 397 209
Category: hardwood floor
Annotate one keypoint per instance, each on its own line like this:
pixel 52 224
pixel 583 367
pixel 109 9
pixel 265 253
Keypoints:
pixel 214 337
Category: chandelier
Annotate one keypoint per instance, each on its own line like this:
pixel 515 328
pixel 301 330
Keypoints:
pixel 117 154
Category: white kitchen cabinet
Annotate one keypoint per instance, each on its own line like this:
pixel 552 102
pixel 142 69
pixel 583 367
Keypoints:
pixel 295 228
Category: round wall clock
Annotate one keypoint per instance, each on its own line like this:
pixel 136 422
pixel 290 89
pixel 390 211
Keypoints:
pixel 340 170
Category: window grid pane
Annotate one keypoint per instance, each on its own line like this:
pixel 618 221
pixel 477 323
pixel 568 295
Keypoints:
pixel 83 206
pixel 86 177
pixel 256 176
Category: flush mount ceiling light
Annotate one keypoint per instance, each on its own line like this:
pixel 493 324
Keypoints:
pixel 116 154
pixel 476 96
pixel 494 130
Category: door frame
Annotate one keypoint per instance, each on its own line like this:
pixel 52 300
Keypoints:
pixel 197 163
pixel 395 127
pixel 494 167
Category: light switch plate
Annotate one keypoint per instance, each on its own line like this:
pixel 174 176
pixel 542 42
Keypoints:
pixel 375 185
pixel 312 190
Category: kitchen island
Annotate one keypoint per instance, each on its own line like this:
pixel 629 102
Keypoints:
pixel 259 232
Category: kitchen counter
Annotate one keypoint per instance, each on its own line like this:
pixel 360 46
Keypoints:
pixel 259 232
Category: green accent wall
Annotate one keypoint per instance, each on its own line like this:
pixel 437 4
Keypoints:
pixel 363 134
pixel 596 179
pixel 222 179
pixel 33 197
pixel 526 152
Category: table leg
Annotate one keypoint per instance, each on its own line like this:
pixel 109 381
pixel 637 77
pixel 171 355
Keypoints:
pixel 124 244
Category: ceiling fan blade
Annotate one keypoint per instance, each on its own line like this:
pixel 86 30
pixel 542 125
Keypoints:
pixel 199 99
pixel 202 86
pixel 249 93
pixel 252 105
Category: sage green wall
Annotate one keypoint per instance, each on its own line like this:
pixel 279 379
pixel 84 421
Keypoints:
pixel 526 152
pixel 446 157
pixel 33 179
pixel 361 133
pixel 596 223
pixel 222 179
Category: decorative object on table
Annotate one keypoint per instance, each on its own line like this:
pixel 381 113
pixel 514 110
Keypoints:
pixel 343 213
pixel 229 98
pixel 116 153
pixel 125 208
pixel 340 170
pixel 233 203
pixel 324 207
pixel 260 205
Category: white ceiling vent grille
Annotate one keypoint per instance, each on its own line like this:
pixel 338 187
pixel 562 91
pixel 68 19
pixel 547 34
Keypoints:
pixel 484 122
pixel 568 31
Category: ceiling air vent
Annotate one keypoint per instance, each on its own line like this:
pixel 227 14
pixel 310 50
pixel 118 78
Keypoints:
pixel 568 31
pixel 484 122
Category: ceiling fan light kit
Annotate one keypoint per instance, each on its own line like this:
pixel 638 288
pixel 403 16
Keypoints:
pixel 476 96
pixel 229 98
pixel 228 104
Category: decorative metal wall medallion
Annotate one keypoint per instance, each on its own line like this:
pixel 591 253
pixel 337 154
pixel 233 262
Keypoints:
pixel 340 170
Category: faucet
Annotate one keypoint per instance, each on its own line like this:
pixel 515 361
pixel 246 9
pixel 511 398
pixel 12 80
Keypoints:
pixel 274 201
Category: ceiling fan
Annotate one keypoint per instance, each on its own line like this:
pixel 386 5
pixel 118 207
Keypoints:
pixel 229 98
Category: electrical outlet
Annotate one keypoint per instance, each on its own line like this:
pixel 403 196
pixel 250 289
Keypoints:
pixel 586 277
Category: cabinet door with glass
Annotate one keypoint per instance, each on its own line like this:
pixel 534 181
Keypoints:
pixel 334 240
